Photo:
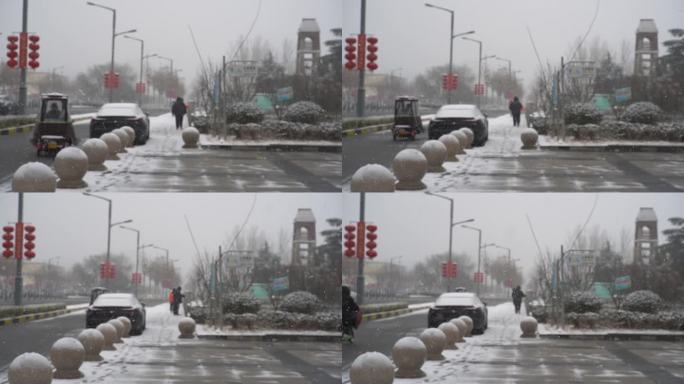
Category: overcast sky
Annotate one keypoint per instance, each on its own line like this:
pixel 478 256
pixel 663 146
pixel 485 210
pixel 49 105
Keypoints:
pixel 415 225
pixel 414 37
pixel 77 36
pixel 73 226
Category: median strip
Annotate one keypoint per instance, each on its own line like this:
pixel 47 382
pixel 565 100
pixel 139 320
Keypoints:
pixel 25 128
pixel 34 316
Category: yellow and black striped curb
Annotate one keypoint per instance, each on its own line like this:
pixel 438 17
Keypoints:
pixel 29 127
pixel 386 314
pixel 35 316
pixel 364 130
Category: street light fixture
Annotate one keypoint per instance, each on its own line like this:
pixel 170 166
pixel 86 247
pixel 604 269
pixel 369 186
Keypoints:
pixel 137 253
pixel 479 67
pixel 142 56
pixel 509 65
pixel 479 252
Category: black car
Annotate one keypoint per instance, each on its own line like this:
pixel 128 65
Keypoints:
pixel 455 116
pixel 456 304
pixel 109 306
pixel 116 115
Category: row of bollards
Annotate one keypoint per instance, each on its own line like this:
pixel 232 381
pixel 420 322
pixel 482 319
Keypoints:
pixel 411 165
pixel 68 354
pixel 410 353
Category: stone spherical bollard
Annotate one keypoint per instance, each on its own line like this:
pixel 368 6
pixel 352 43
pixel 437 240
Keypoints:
pixel 34 177
pixel 67 355
pixel 435 152
pixel 123 137
pixel 469 323
pixel 469 135
pixel 371 368
pixel 409 167
pixel 96 150
pixel 30 368
pixel 190 137
pixel 463 139
pixel 528 325
pixel 452 145
pixel 529 138
pixel 373 178
pixel 127 325
pixel 409 354
pixel 93 341
pixel 452 334
pixel 186 326
pixel 113 144
pixel 118 325
pixel 71 164
pixel 109 333
pixel 435 341
pixel 131 135
pixel 462 328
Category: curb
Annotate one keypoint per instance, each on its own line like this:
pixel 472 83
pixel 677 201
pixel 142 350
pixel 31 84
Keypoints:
pixel 364 130
pixel 273 337
pixel 613 336
pixel 29 127
pixel 35 316
pixel 614 148
pixel 386 314
pixel 332 148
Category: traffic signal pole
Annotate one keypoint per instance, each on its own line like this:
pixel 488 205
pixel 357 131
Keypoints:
pixel 18 278
pixel 23 72
pixel 360 280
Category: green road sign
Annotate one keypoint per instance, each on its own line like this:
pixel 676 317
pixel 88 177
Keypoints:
pixel 601 102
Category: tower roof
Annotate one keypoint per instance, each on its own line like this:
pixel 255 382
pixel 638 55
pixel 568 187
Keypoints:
pixel 646 214
pixel 647 26
pixel 305 215
pixel 309 25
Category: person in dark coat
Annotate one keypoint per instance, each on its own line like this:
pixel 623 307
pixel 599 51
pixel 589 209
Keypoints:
pixel 517 296
pixel 177 299
pixel 350 311
pixel 515 107
pixel 179 110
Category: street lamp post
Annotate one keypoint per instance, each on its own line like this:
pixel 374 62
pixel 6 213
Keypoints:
pixel 170 60
pixel 167 257
pixel 52 78
pixel 147 69
pixel 479 252
pixel 451 229
pixel 142 56
pixel 483 60
pixel 392 271
pixel 137 253
pixel 479 66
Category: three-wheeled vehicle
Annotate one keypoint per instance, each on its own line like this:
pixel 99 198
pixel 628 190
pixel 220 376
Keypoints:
pixel 95 292
pixel 54 129
pixel 407 122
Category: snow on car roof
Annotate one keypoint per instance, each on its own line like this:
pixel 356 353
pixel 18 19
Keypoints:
pixel 115 300
pixel 116 109
pixel 457 110
pixel 456 299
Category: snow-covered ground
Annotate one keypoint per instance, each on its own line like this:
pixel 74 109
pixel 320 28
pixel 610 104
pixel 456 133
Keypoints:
pixel 547 329
pixel 546 140
pixel 231 141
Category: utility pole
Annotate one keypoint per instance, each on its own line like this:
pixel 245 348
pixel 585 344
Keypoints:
pixel 361 91
pixel 479 68
pixel 360 279
pixel 142 55
pixel 18 278
pixel 23 71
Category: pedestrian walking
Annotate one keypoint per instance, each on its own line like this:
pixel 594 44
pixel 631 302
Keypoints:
pixel 179 110
pixel 171 299
pixel 515 107
pixel 351 314
pixel 177 299
pixel 517 296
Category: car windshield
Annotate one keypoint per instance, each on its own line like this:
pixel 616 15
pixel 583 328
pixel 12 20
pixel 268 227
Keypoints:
pixel 114 301
pixel 117 110
pixel 455 301
pixel 456 111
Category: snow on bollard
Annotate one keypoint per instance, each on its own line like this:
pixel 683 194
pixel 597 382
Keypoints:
pixel 372 178
pixel 529 138
pixel 71 164
pixel 93 341
pixel 409 167
pixel 409 354
pixel 452 145
pixel 119 330
pixel 127 325
pixel 109 333
pixel 528 325
pixel 469 323
pixel 190 137
pixel 469 135
pixel 452 334
pixel 371 368
pixel 34 177
pixel 67 355
pixel 462 138
pixel 462 328
pixel 123 137
pixel 96 150
pixel 131 135
pixel 186 326
pixel 113 145
pixel 30 368
pixel 435 152
pixel 435 341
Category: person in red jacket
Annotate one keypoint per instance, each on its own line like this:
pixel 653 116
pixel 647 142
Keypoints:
pixel 171 297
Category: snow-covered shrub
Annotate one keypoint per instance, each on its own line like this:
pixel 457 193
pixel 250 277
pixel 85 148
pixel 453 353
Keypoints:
pixel 304 112
pixel 239 303
pixel 582 113
pixel 642 301
pixel 582 302
pixel 643 112
pixel 583 320
pixel 612 318
pixel 584 131
pixel 243 113
pixel 328 321
pixel 300 302
pixel 539 313
pixel 197 313
pixel 249 131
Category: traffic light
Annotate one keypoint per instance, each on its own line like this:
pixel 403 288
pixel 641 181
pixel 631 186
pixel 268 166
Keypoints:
pixel 29 245
pixel 33 54
pixel 12 53
pixel 350 48
pixel 7 244
pixel 350 244
pixel 372 56
pixel 371 244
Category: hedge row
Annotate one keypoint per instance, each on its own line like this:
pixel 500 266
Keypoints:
pixel 29 309
pixel 621 130
pixel 612 318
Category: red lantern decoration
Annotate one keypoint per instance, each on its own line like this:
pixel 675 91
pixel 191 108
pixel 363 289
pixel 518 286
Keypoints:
pixel 350 56
pixel 372 56
pixel 371 236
